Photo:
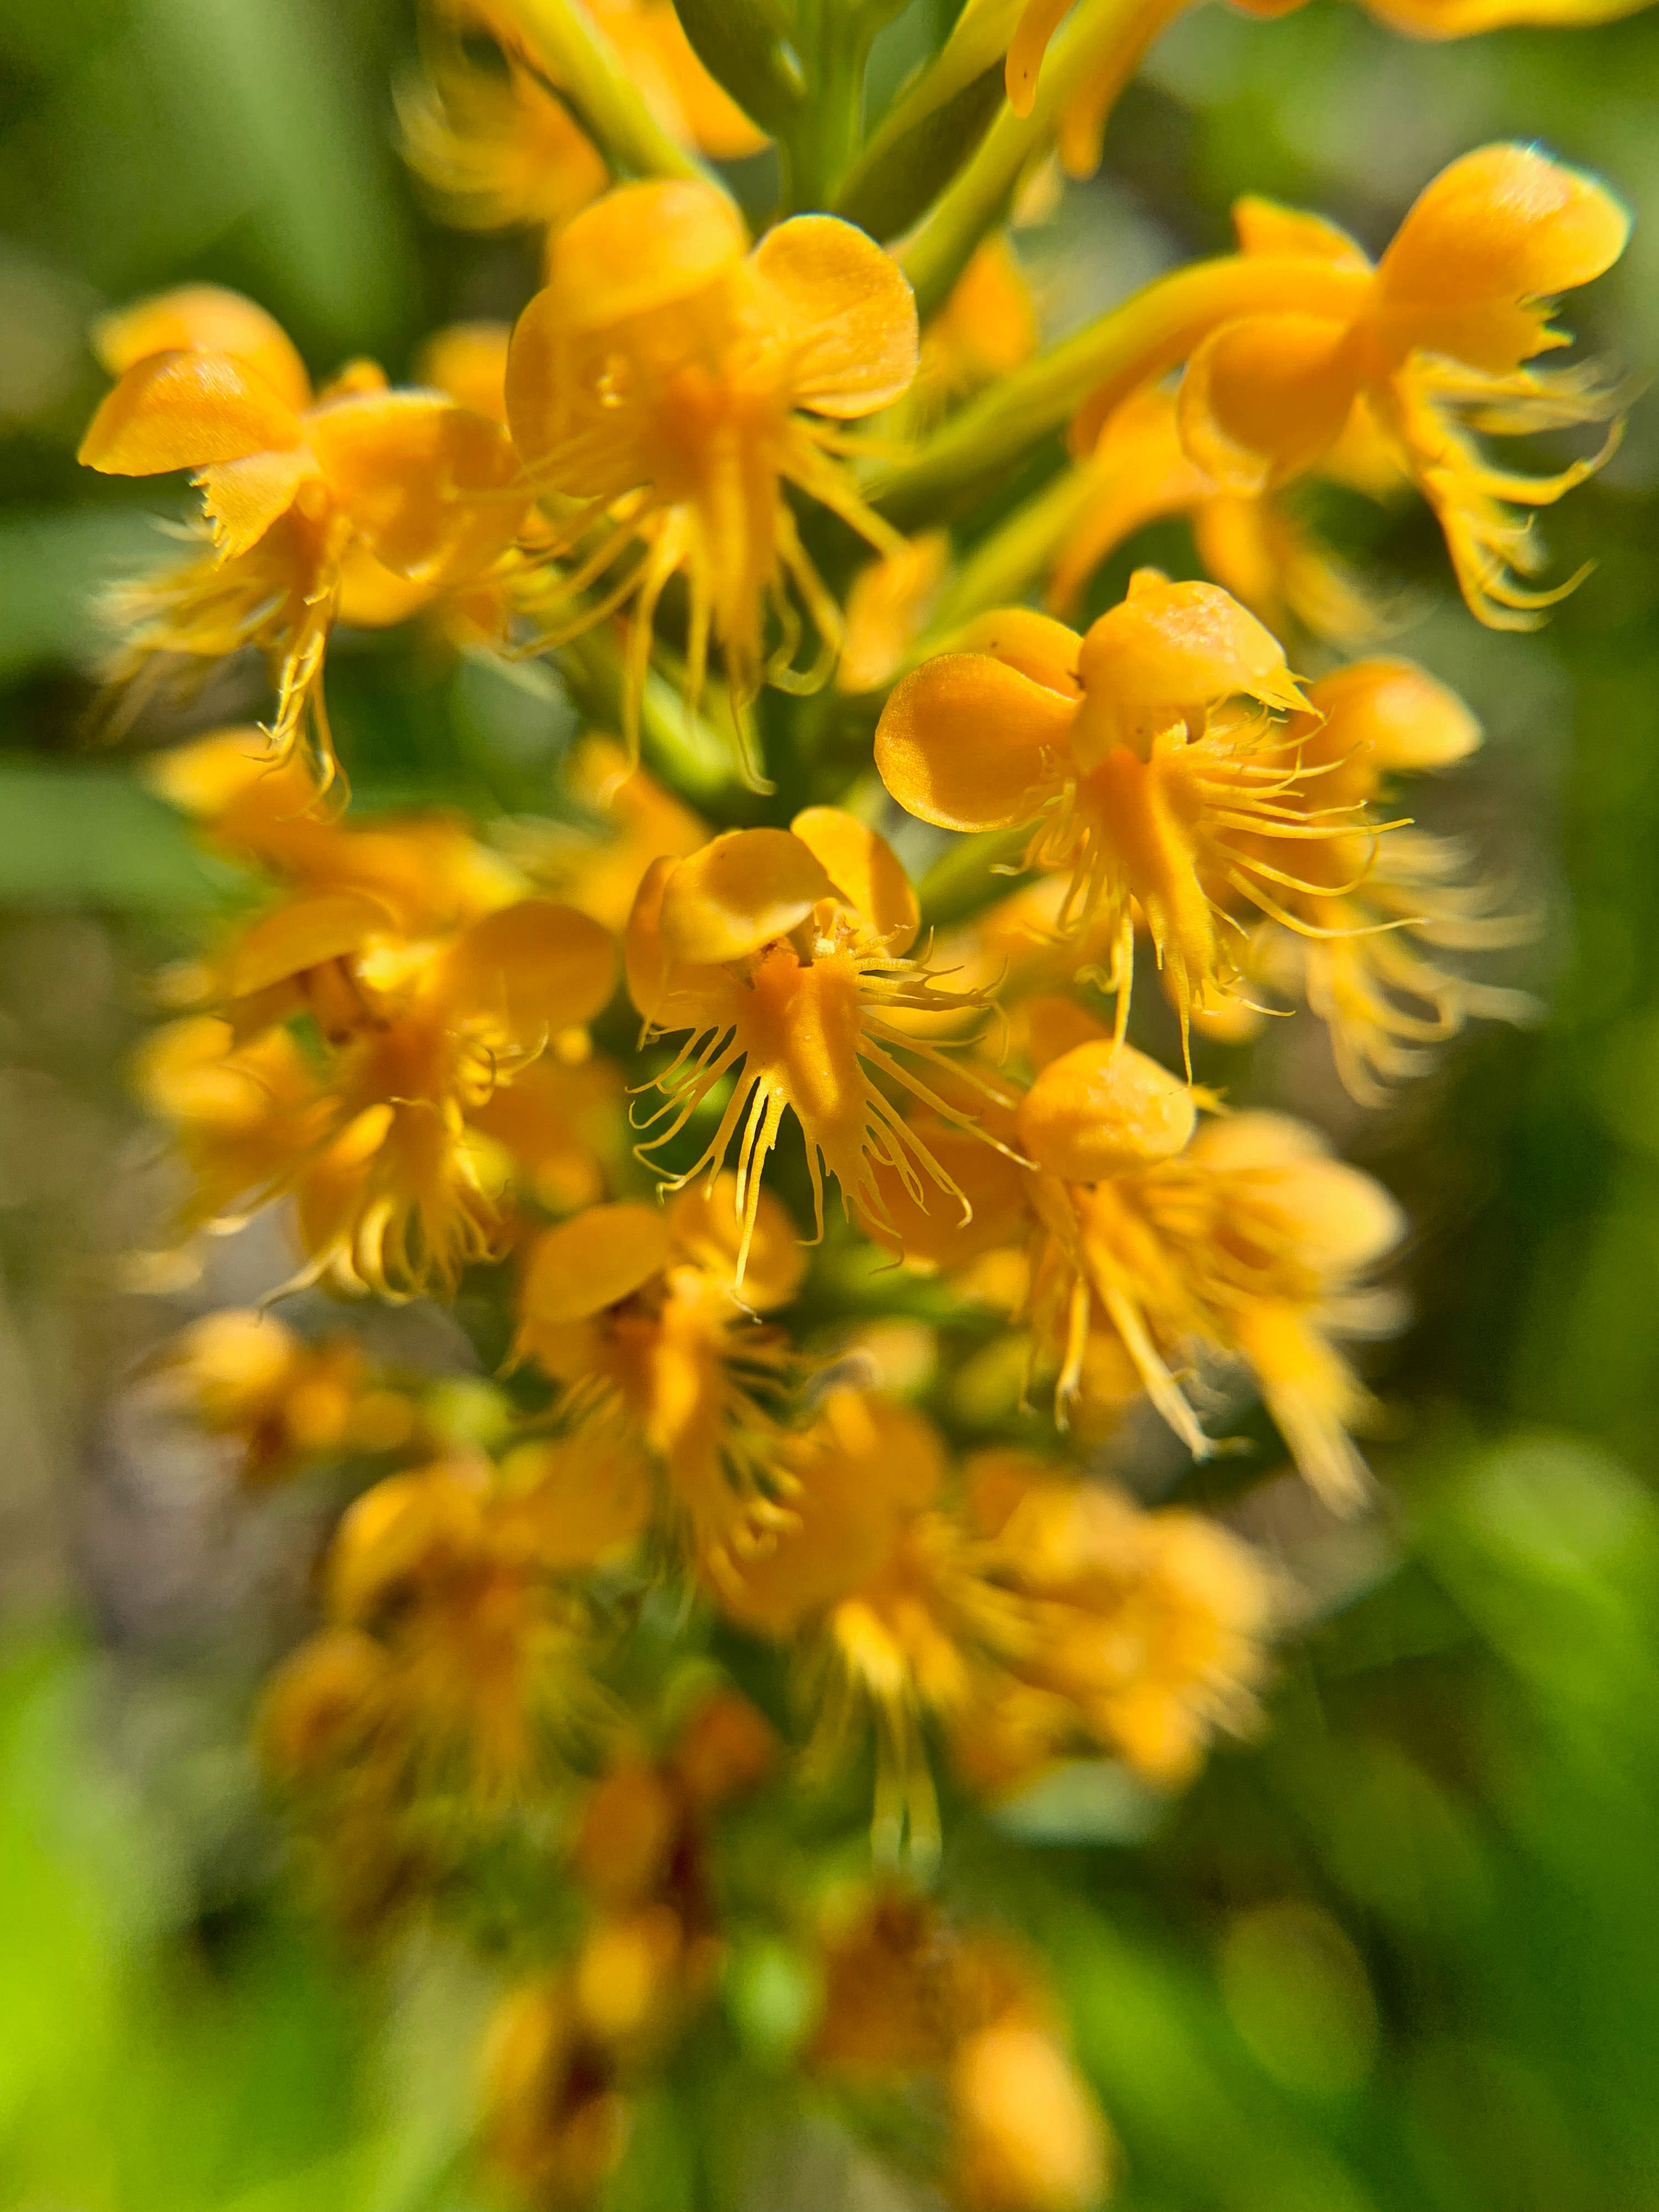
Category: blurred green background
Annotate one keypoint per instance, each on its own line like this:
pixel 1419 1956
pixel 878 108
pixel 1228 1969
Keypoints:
pixel 1402 1953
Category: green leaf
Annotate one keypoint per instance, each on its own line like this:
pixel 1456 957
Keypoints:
pixel 73 836
pixel 900 173
pixel 744 46
pixel 56 566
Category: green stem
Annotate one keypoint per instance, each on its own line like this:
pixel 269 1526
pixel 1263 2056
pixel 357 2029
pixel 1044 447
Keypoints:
pixel 1151 332
pixel 686 751
pixel 963 880
pixel 834 41
pixel 1095 53
pixel 563 41
pixel 1004 566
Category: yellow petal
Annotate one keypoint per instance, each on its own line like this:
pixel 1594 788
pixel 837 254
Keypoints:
pixel 707 1226
pixel 639 247
pixel 969 744
pixel 533 968
pixel 1504 222
pixel 243 498
pixel 371 597
pixel 587 1264
pixel 1263 398
pixel 737 894
pixel 1053 1026
pixel 305 933
pixel 186 411
pixel 846 312
pixel 469 362
pixel 1103 1109
pixel 865 870
pixel 1398 716
pixel 208 775
pixel 888 606
pixel 204 318
pixel 1264 227
pixel 1036 645
pixel 1039 21
pixel 1179 647
pixel 422 481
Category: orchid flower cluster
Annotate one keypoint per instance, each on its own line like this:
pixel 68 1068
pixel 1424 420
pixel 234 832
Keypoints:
pixel 819 1229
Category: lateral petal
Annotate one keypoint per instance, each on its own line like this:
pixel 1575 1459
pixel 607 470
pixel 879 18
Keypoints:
pixel 967 743
pixel 203 319
pixel 848 311
pixel 422 481
pixel 186 411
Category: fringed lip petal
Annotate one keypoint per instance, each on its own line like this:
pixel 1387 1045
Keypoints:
pixel 847 312
pixel 186 411
pixel 967 743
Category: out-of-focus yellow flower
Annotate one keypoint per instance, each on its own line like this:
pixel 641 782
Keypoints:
pixel 397 1185
pixel 639 821
pixel 1436 342
pixel 497 147
pixel 1460 19
pixel 988 327
pixel 469 362
pixel 1140 472
pixel 292 485
pixel 247 1375
pixel 427 872
pixel 886 1584
pixel 444 1693
pixel 659 60
pixel 1364 956
pixel 1081 123
pixel 659 380
pixel 910 1998
pixel 1243 1240
pixel 633 1308
pixel 784 956
pixel 555 2120
pixel 1147 1629
pixel 1128 751
pixel 887 610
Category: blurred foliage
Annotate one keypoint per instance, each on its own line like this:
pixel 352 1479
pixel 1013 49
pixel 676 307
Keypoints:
pixel 1401 1953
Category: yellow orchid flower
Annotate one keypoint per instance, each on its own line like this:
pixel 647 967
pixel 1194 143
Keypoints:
pixel 1140 472
pixel 912 1999
pixel 1243 1240
pixel 293 484
pixel 784 958
pixel 1364 956
pixel 1149 1629
pixel 633 1310
pixel 1435 344
pixel 673 381
pixel 1127 752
